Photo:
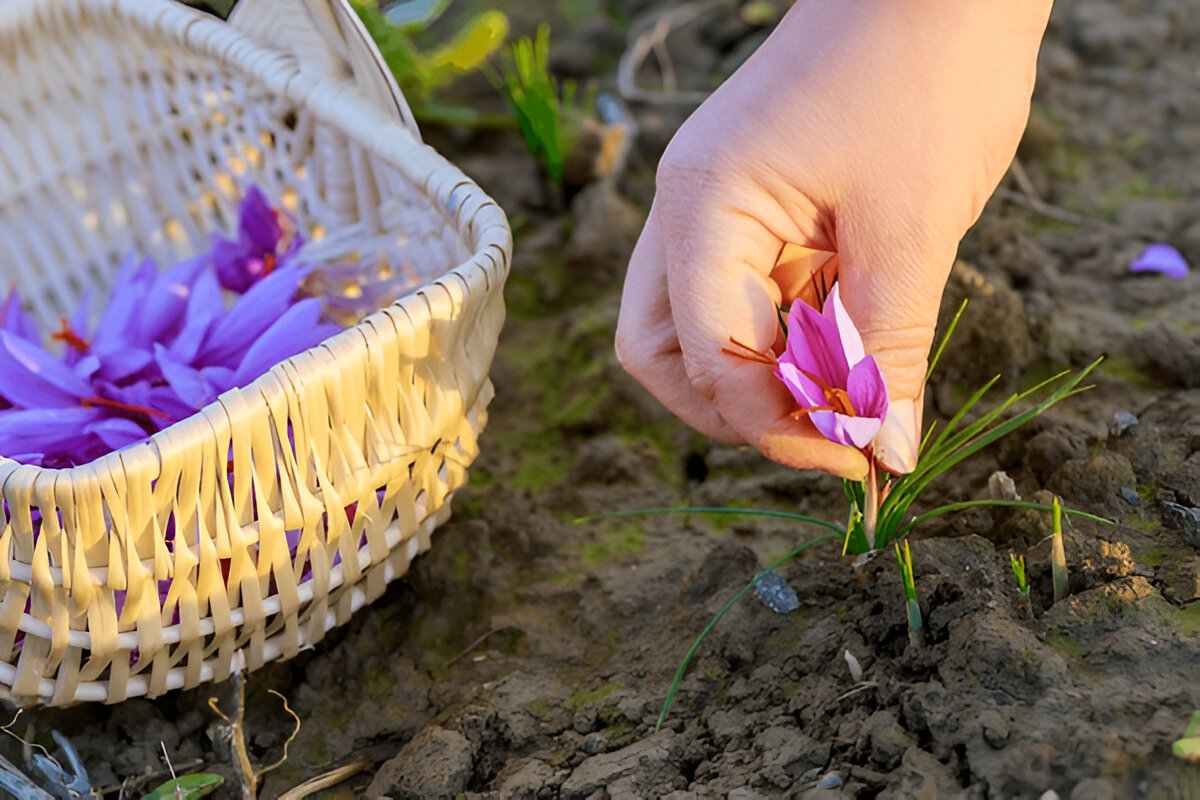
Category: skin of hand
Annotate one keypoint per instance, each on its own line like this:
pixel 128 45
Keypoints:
pixel 874 130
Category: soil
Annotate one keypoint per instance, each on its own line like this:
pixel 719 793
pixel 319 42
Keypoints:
pixel 528 656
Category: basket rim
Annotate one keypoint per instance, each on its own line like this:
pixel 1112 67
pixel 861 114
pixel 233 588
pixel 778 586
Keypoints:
pixel 476 217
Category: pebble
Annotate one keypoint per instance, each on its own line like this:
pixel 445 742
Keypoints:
pixel 774 591
pixel 594 743
pixel 1002 487
pixel 1130 496
pixel 1121 422
pixel 830 781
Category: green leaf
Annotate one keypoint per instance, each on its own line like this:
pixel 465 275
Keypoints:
pixel 474 44
pixel 186 787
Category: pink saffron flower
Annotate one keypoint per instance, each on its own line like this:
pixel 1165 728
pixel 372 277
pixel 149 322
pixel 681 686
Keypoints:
pixel 835 382
pixel 1161 258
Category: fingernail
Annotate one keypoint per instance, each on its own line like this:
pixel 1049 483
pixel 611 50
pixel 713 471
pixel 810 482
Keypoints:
pixel 897 442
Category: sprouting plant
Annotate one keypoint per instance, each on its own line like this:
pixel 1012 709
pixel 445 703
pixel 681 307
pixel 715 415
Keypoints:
pixel 916 635
pixel 187 787
pixel 1018 570
pixel 550 118
pixel 1188 748
pixel 1058 555
pixel 827 353
pixel 422 75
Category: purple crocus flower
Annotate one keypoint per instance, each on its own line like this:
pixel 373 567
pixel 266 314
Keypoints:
pixel 266 239
pixel 825 368
pixel 165 345
pixel 1161 258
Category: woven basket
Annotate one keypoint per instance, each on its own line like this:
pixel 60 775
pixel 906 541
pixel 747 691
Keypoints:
pixel 135 126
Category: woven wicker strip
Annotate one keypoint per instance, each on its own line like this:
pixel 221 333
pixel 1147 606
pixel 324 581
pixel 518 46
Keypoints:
pixel 136 126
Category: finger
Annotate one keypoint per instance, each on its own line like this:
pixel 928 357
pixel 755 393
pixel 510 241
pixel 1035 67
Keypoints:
pixel 892 278
pixel 647 345
pixel 718 266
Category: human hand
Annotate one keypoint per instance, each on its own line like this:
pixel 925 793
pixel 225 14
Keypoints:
pixel 874 130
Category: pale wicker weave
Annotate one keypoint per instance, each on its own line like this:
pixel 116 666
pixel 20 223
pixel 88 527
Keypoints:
pixel 135 126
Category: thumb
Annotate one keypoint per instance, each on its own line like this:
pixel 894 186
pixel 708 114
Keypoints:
pixel 892 288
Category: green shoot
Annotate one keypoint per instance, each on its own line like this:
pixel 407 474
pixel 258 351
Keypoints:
pixel 550 119
pixel 687 659
pixel 423 75
pixel 1058 555
pixel 186 787
pixel 1018 570
pixel 916 636
pixel 1188 748
pixel 950 447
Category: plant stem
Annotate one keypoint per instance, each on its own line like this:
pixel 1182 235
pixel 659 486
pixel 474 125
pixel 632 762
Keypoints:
pixel 871 501
pixel 1026 605
pixel 1058 555
pixel 916 636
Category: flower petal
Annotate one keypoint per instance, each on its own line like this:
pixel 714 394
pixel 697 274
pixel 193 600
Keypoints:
pixel 35 379
pixel 167 299
pixel 814 346
pixel 295 331
pixel 853 431
pixel 253 313
pixel 1159 257
pixel 852 344
pixel 205 306
pixel 116 432
pixel 45 430
pixel 14 319
pixel 807 393
pixel 867 390
pixel 185 381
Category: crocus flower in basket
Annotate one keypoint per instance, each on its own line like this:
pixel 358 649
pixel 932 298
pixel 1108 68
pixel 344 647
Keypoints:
pixel 238 475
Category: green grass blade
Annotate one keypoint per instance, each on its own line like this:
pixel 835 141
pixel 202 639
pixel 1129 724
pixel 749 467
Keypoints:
pixel 913 484
pixel 748 512
pixel 687 659
pixel 945 339
pixel 946 509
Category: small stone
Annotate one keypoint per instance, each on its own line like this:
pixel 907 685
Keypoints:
pixel 1130 496
pixel 1049 794
pixel 1183 519
pixel 584 722
pixel 632 708
pixel 830 781
pixel 1002 487
pixel 1121 423
pixel 995 728
pixel 594 743
pixel 776 594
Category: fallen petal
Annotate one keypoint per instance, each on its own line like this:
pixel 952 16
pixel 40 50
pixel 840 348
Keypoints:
pixel 1161 258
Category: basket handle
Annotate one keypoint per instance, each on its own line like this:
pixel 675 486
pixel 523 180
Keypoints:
pixel 327 36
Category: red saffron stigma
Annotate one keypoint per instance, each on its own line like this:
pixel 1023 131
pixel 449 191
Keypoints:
pixel 73 339
pixel 268 260
pixel 95 400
